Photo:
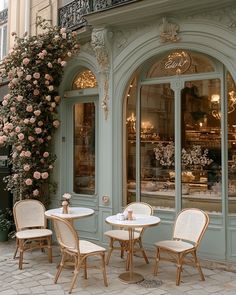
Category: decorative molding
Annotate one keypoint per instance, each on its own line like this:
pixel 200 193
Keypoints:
pixel 98 43
pixel 169 31
pixel 224 17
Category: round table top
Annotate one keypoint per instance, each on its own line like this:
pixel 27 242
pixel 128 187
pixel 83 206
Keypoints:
pixel 74 212
pixel 140 220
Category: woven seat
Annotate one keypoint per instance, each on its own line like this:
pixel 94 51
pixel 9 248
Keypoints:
pixel 31 229
pixel 121 236
pixel 78 250
pixel 189 228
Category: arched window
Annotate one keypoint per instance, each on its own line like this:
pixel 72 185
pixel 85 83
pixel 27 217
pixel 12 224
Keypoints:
pixel 179 109
pixel 84 79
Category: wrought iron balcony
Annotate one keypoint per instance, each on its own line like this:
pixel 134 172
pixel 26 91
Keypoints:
pixel 3 16
pixel 71 15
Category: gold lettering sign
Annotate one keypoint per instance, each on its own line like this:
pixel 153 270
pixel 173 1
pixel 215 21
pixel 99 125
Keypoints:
pixel 177 62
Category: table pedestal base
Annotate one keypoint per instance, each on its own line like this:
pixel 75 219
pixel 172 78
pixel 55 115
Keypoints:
pixel 131 278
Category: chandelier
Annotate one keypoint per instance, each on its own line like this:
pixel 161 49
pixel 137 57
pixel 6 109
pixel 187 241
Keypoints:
pixel 215 104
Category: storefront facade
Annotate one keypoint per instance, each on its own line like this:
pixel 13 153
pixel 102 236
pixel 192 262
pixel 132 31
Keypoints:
pixel 148 114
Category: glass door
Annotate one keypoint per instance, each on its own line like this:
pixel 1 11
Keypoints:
pixel 81 145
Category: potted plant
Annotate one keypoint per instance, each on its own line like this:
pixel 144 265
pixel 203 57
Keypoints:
pixel 6 222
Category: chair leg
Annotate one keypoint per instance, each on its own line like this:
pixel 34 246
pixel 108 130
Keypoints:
pixel 76 272
pixel 179 268
pixel 109 251
pixel 85 269
pixel 17 247
pixel 49 242
pixel 21 248
pixel 198 265
pixel 104 269
pixel 157 259
pixel 63 257
pixel 143 251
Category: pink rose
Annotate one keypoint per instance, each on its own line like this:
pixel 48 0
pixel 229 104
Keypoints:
pixel 27 154
pixel 48 77
pixel 53 104
pixel 37 113
pixel 44 175
pixel 26 121
pixel 4 103
pixel 17 129
pixel 35 192
pixel 22 154
pixel 28 181
pixel 31 138
pixel 40 123
pixel 57 98
pixel 19 98
pixel 36 75
pixel 38 130
pixel 62 30
pixel 29 108
pixel 45 154
pixel 37 175
pixel 15 176
pixel 2 139
pixel 56 123
pixel 26 167
pixel 32 120
pixel 48 97
pixel 21 136
pixel 49 65
pixel 28 77
pixel 63 63
pixel 26 61
pixel 19 147
pixel 50 88
pixel 36 92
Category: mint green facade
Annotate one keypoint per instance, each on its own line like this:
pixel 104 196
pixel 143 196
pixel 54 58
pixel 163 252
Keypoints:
pixel 113 51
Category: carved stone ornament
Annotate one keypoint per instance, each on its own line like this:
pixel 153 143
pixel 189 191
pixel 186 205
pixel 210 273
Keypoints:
pixel 169 31
pixel 98 43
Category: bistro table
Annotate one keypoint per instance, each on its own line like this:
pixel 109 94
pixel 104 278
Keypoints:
pixel 74 213
pixel 139 220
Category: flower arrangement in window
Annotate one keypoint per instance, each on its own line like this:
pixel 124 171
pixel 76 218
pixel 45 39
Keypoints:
pixel 28 116
pixel 193 156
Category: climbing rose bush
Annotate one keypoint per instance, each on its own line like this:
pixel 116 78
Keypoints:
pixel 28 116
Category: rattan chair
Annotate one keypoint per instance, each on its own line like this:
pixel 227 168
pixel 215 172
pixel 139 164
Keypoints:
pixel 79 250
pixel 119 238
pixel 189 228
pixel 31 231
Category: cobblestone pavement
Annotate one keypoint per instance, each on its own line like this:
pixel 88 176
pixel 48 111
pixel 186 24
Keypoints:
pixel 37 277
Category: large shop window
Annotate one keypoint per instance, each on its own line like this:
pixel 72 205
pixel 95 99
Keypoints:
pixel 206 104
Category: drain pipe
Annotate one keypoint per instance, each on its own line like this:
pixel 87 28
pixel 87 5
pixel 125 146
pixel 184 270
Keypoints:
pixel 27 17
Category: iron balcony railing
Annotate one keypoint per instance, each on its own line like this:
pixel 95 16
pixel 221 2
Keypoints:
pixel 71 15
pixel 3 16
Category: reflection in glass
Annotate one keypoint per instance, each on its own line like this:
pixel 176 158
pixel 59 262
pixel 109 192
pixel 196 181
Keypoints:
pixel 156 128
pixel 201 145
pixel 231 90
pixel 84 148
pixel 130 130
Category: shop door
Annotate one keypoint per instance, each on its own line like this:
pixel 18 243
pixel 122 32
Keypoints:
pixel 80 146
